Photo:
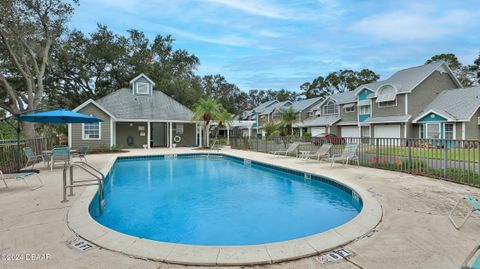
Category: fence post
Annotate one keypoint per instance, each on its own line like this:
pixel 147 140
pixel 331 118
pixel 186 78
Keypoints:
pixel 409 145
pixel 445 158
pixel 377 151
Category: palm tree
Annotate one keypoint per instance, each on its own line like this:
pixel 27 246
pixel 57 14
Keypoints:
pixel 270 128
pixel 206 110
pixel 287 118
pixel 224 118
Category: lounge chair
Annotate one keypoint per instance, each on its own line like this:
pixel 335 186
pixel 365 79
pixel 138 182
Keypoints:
pixel 82 153
pixel 473 259
pixel 22 175
pixel 291 149
pixel 323 151
pixel 472 202
pixel 60 154
pixel 32 158
pixel 348 153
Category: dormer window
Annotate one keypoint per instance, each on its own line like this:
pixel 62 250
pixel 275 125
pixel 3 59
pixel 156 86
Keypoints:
pixel 387 96
pixel 143 87
pixel 330 108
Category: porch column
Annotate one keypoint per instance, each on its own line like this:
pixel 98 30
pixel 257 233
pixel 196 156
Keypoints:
pixel 111 132
pixel 228 135
pixel 301 132
pixel 200 131
pixel 249 131
pixel 170 136
pixel 148 135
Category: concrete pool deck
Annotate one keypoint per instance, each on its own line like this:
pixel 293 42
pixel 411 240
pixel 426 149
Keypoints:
pixel 414 233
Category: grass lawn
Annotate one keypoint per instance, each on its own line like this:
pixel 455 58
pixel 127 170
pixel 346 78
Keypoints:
pixel 452 154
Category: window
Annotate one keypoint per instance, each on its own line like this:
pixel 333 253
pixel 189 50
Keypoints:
pixel 143 88
pixel 365 131
pixel 349 108
pixel 388 103
pixel 91 131
pixel 422 131
pixel 364 110
pixel 449 131
pixel 330 108
pixel 433 130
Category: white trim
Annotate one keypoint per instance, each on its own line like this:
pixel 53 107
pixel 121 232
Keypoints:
pixel 449 71
pixel 99 132
pixel 362 88
pixel 69 135
pixel 139 76
pixel 434 112
pixel 383 85
pixel 148 92
pixel 111 133
pixel 433 123
pixel 90 101
pixel 405 133
pixel 406 104
pixel 464 135
pixel 149 138
pixel 386 106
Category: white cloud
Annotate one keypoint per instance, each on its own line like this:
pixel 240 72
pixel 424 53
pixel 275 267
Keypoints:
pixel 259 8
pixel 412 24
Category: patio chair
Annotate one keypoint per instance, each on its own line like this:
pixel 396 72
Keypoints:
pixel 32 158
pixel 22 176
pixel 348 153
pixel 472 202
pixel 323 151
pixel 473 259
pixel 291 149
pixel 60 154
pixel 82 153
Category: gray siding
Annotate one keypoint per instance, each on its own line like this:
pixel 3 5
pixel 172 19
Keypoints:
pixel 472 129
pixel 348 116
pixel 188 136
pixel 397 110
pixel 124 130
pixel 77 136
pixel 426 91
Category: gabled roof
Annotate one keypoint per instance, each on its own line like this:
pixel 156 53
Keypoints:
pixel 344 97
pixel 318 121
pixel 457 105
pixel 260 108
pixel 276 106
pixel 142 75
pixel 406 80
pixel 124 105
pixel 301 105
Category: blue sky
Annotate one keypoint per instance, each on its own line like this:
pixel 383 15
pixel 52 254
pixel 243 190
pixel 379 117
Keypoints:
pixel 281 44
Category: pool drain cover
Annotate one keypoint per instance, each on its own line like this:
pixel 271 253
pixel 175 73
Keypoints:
pixel 80 244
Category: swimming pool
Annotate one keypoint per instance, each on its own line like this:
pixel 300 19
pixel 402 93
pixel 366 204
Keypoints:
pixel 220 201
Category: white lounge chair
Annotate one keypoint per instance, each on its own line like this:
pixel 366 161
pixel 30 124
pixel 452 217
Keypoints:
pixel 348 153
pixel 21 176
pixel 323 151
pixel 473 203
pixel 291 149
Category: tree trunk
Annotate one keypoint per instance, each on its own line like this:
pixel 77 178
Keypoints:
pixel 29 130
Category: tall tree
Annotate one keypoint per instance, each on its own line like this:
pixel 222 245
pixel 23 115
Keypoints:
pixel 463 73
pixel 28 31
pixel 94 65
pixel 339 81
pixel 475 71
pixel 225 93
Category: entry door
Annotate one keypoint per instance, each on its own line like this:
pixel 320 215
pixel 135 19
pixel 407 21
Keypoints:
pixel 159 138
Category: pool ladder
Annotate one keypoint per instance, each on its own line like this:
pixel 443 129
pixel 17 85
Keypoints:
pixel 99 180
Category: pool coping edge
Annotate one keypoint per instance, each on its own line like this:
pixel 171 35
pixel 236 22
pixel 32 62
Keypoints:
pixel 81 223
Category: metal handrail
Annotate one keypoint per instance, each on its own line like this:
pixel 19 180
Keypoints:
pixel 99 180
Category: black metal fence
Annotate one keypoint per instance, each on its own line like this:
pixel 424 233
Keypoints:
pixel 9 153
pixel 453 160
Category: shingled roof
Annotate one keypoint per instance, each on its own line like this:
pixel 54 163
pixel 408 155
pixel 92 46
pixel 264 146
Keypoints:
pixel 458 104
pixel 122 104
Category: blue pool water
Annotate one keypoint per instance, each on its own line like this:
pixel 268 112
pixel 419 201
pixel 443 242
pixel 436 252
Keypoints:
pixel 221 201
